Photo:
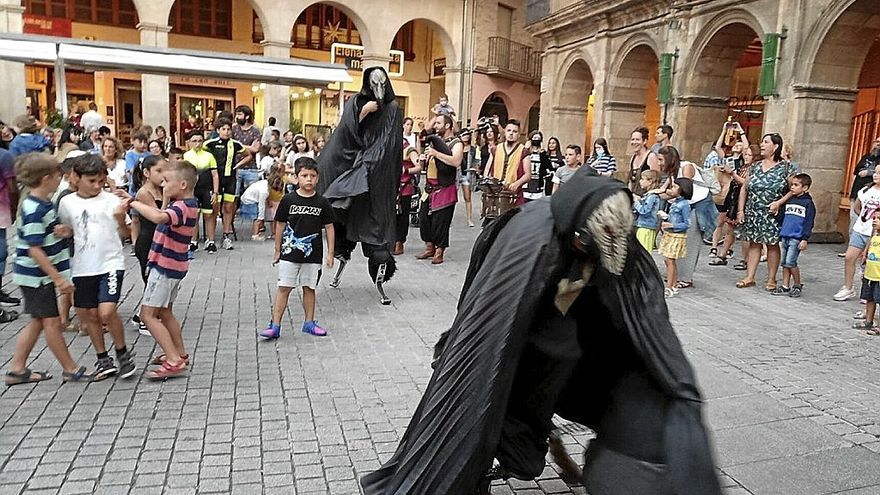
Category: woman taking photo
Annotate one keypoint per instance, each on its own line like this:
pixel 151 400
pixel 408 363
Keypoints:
pixel 756 214
pixel 731 206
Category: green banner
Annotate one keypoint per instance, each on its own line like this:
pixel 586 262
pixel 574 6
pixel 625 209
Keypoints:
pixel 664 86
pixel 769 55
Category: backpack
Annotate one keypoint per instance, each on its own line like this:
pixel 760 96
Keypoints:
pixel 710 180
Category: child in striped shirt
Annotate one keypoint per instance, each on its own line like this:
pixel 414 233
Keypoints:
pixel 167 264
pixel 42 265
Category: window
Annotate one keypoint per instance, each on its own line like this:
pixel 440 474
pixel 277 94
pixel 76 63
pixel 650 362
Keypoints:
pixel 505 21
pixel 109 12
pixel 210 18
pixel 47 8
pixel 403 41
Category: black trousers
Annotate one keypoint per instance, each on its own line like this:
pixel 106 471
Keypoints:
pixel 403 217
pixel 434 227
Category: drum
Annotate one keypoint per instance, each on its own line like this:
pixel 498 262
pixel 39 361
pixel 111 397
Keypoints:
pixel 497 200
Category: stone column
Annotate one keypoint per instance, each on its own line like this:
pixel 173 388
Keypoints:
pixel 620 118
pixel 697 121
pixel 375 60
pixel 571 124
pixel 823 118
pixel 155 90
pixel 12 77
pixel 276 97
pixel 454 88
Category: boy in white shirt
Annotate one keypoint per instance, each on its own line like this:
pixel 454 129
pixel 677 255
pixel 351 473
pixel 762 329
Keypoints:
pixel 98 223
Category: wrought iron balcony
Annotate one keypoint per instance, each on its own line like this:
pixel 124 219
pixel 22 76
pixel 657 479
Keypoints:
pixel 512 59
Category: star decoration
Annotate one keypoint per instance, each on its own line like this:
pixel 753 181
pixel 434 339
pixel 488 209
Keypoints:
pixel 332 32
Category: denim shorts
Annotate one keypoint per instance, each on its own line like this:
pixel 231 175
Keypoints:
pixel 858 241
pixel 790 251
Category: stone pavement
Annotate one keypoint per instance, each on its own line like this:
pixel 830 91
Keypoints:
pixel 792 391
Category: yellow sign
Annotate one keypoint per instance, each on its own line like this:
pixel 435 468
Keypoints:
pixel 350 56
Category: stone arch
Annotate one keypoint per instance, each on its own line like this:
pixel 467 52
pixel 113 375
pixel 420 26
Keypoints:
pixel 838 46
pixel 631 97
pixel 366 35
pixel 570 115
pixel 449 49
pixel 717 50
pixel 486 107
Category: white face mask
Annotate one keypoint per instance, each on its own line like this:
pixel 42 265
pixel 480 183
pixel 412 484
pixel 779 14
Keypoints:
pixel 600 151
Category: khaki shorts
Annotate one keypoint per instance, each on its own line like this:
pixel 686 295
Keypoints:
pixel 298 274
pixel 160 290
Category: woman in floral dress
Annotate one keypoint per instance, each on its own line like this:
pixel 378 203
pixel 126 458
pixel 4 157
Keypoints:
pixel 759 201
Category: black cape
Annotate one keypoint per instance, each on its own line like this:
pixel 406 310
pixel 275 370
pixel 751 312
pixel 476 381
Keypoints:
pixel 359 168
pixel 456 430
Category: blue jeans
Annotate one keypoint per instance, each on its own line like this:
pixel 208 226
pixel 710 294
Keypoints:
pixel 707 216
pixel 790 251
pixel 246 177
pixel 4 251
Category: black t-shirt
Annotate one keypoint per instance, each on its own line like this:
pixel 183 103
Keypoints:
pixel 304 218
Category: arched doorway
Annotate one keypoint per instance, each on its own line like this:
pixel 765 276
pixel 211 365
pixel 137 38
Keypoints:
pixel 838 109
pixel 722 82
pixel 494 105
pixel 535 116
pixel 632 98
pixel 572 114
pixel 418 69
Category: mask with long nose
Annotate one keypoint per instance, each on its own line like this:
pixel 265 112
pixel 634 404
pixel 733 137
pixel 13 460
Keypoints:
pixel 378 81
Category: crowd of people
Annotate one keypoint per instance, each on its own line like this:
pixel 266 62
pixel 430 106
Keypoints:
pixel 108 193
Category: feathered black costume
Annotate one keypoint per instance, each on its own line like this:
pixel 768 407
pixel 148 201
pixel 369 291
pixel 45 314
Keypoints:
pixel 584 332
pixel 360 175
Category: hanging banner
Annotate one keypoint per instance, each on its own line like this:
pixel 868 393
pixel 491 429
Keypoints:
pixel 48 26
pixel 350 56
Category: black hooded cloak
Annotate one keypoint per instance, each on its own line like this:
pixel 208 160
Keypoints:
pixel 359 168
pixel 510 360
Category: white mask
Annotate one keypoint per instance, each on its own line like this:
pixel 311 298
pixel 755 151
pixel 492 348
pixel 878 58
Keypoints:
pixel 377 83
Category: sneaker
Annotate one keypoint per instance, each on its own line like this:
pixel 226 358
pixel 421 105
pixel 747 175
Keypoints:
pixel 796 291
pixel 670 292
pixel 210 247
pixel 844 294
pixel 7 300
pixel 136 319
pixel 227 243
pixel 126 363
pixel 193 247
pixel 313 328
pixel 273 331
pixel 132 253
pixel 780 291
pixel 258 237
pixel 104 368
pixel 142 329
pixel 860 315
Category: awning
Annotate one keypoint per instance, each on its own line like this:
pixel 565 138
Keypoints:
pixel 92 55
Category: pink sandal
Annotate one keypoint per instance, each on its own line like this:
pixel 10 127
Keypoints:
pixel 167 370
pixel 158 360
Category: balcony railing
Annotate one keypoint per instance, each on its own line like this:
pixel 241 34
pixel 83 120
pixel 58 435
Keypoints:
pixel 507 56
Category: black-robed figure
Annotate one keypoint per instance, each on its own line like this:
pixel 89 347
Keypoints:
pixel 583 333
pixel 360 174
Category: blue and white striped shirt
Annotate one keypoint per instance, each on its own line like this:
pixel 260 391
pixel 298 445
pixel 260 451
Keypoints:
pixel 37 220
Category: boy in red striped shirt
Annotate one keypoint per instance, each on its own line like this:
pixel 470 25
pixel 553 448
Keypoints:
pixel 167 264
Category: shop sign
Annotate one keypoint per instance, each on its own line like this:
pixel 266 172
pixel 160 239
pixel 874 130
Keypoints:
pixel 439 67
pixel 350 56
pixel 200 81
pixel 50 26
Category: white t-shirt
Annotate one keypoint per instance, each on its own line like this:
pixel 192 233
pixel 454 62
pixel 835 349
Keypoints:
pixel 258 193
pixel 97 246
pixel 117 173
pixel 700 192
pixel 266 163
pixel 870 199
pixel 291 158
pixel 412 139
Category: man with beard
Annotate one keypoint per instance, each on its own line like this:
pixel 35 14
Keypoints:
pixel 438 205
pixel 245 132
pixel 360 175
pixel 561 312
pixel 511 164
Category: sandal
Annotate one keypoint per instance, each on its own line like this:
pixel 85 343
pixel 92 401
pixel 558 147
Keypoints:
pixel 718 262
pixel 7 315
pixel 744 283
pixel 742 265
pixel 684 285
pixel 860 315
pixel 80 375
pixel 771 286
pixel 862 325
pixel 158 360
pixel 874 331
pixel 167 370
pixel 26 376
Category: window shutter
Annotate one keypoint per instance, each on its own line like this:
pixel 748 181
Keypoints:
pixel 664 86
pixel 769 55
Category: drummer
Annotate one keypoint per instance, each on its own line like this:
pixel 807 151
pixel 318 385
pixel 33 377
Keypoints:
pixel 510 163
pixel 572 164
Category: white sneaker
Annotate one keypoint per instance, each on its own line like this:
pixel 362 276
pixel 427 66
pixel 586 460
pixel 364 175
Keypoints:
pixel 670 292
pixel 844 294
pixel 227 243
pixel 142 329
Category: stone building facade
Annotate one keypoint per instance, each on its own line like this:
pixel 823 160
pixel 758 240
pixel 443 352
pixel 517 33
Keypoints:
pixel 605 55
